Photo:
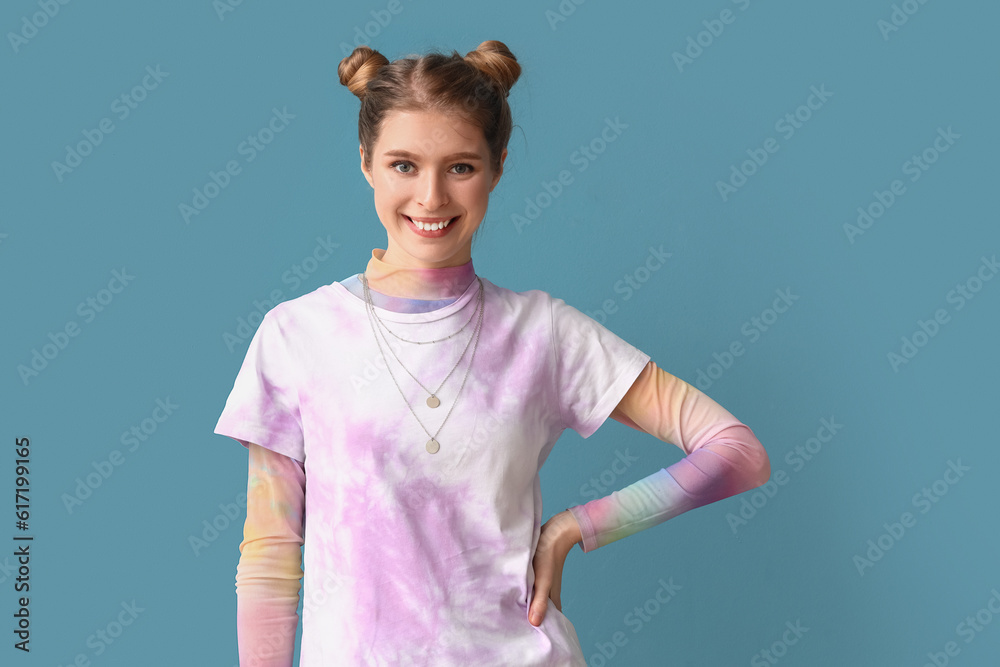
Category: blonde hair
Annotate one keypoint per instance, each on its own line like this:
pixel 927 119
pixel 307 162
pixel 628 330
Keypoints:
pixel 476 87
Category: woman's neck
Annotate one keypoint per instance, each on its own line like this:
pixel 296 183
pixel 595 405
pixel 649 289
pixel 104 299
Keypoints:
pixel 417 283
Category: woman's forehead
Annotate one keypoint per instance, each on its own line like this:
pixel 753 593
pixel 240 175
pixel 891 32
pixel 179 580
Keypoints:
pixel 430 134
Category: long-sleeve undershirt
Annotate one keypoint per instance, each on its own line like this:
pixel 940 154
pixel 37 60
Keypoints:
pixel 724 458
pixel 270 566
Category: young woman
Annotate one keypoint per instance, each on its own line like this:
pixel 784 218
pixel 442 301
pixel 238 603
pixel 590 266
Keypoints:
pixel 396 420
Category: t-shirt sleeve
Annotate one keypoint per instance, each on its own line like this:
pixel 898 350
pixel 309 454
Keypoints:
pixel 263 406
pixel 594 368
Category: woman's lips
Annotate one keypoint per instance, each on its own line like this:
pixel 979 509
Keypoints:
pixel 430 234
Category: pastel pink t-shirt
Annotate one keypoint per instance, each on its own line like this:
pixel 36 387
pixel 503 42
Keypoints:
pixel 413 558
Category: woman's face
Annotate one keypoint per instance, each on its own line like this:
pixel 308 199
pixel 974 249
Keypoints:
pixel 430 167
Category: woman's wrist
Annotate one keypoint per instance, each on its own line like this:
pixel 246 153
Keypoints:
pixel 569 533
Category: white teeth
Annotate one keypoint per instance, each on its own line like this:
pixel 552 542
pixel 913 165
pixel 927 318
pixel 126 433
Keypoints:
pixel 432 226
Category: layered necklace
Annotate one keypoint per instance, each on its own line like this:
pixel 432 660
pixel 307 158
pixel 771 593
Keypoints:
pixel 433 401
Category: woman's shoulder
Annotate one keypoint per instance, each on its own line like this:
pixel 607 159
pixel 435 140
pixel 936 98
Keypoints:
pixel 534 298
pixel 528 299
pixel 320 302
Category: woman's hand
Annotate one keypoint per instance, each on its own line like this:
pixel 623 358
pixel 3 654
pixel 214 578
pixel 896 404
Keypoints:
pixel 559 534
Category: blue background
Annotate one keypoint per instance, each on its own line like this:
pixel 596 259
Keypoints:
pixel 656 185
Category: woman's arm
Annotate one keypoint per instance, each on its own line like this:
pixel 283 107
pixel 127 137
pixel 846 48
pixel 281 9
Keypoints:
pixel 723 458
pixel 270 567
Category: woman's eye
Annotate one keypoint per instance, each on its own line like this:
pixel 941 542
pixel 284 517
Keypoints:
pixel 400 164
pixel 463 169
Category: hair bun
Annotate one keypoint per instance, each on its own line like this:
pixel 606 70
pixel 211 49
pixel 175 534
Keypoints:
pixel 495 60
pixel 357 69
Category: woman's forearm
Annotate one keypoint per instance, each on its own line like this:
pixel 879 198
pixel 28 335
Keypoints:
pixel 724 458
pixel 270 566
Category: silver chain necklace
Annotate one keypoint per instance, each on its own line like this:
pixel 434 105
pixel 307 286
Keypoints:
pixel 364 282
pixel 432 445
pixel 432 400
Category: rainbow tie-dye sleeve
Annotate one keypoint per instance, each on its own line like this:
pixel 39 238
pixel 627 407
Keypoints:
pixel 724 458
pixel 270 567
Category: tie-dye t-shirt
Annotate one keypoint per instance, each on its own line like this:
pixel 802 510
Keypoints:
pixel 413 558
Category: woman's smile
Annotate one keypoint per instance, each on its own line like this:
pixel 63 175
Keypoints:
pixel 431 227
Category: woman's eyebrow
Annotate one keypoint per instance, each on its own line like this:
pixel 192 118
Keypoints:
pixel 453 156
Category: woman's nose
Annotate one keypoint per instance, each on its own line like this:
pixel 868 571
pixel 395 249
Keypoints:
pixel 433 193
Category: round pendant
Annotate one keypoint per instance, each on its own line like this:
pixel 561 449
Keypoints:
pixel 433 401
pixel 433 446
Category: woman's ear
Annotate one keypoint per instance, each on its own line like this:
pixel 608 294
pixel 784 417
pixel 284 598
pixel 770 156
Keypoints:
pixel 496 177
pixel 368 176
